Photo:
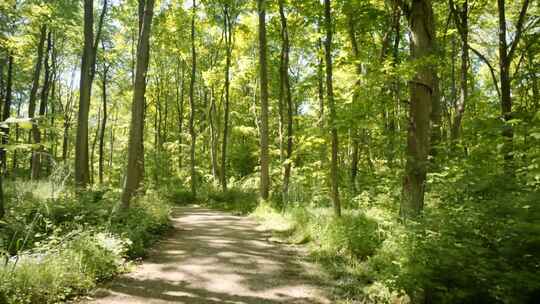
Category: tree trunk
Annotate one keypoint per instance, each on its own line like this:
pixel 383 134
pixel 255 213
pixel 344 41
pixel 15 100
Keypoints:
pixel 192 133
pixel 180 110
pixel 506 98
pixel 462 22
pixel 82 174
pixel 6 113
pixel 212 113
pixel 354 130
pixel 421 88
pixel 135 163
pixel 103 122
pixel 263 73
pixel 286 96
pixel 331 106
pixel 33 91
pixel 36 133
pixel 226 110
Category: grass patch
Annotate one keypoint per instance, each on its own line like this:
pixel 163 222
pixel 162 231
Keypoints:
pixel 56 244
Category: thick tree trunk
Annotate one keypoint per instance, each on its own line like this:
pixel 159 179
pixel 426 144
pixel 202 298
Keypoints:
pixel 421 88
pixel 286 97
pixel 135 163
pixel 192 133
pixel 33 91
pixel 82 173
pixel 263 74
pixel 331 106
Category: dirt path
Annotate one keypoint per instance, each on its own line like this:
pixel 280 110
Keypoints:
pixel 214 257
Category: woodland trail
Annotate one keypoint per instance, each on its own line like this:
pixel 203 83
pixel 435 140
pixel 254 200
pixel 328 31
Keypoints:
pixel 215 257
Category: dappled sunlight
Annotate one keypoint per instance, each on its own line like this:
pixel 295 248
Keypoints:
pixel 212 257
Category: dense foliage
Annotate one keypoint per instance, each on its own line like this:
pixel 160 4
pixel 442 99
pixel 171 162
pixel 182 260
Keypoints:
pixel 400 139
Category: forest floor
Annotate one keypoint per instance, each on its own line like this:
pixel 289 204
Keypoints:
pixel 214 257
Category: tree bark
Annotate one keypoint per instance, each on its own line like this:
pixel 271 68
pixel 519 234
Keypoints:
pixel 34 89
pixel 331 106
pixel 36 133
pixel 461 19
pixel 135 163
pixel 354 130
pixel 103 122
pixel 228 49
pixel 192 133
pixel 506 55
pixel 286 97
pixel 6 111
pixel 82 173
pixel 263 74
pixel 421 23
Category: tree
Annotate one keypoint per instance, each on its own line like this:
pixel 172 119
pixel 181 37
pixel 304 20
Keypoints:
pixel 263 74
pixel 135 162
pixel 192 133
pixel 285 98
pixel 88 67
pixel 82 173
pixel 422 87
pixel 461 20
pixel 334 176
pixel 506 55
pixel 36 133
pixel 33 91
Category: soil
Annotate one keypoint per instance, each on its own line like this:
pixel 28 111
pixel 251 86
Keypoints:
pixel 215 257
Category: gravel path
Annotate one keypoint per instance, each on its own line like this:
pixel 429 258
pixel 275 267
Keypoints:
pixel 214 257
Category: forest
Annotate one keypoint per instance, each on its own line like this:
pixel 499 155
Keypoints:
pixel 269 151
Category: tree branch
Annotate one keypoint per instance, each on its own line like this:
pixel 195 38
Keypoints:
pixel 491 69
pixel 405 7
pixel 519 28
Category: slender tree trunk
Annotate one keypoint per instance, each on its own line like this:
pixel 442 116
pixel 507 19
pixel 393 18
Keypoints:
pixel 421 88
pixel 506 98
pixel 135 163
pixel 331 106
pixel 103 122
pixel 287 97
pixel 93 149
pixel 263 73
pixel 180 110
pixel 354 130
pixel 17 136
pixel 212 113
pixel 33 91
pixel 36 133
pixel 192 133
pixel 6 113
pixel 226 110
pixel 462 22
pixel 82 173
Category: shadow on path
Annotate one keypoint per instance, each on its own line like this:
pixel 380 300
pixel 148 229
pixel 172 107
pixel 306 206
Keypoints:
pixel 214 257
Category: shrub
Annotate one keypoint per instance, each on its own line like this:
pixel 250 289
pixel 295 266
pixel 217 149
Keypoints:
pixel 234 200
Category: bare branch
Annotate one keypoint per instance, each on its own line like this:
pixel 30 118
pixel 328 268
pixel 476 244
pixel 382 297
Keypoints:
pixel 491 69
pixel 519 28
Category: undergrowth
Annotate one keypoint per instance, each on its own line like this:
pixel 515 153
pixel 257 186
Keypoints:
pixel 55 244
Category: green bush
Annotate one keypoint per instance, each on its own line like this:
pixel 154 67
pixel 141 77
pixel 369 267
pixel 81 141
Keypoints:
pixel 235 200
pixel 61 245
pixel 59 271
